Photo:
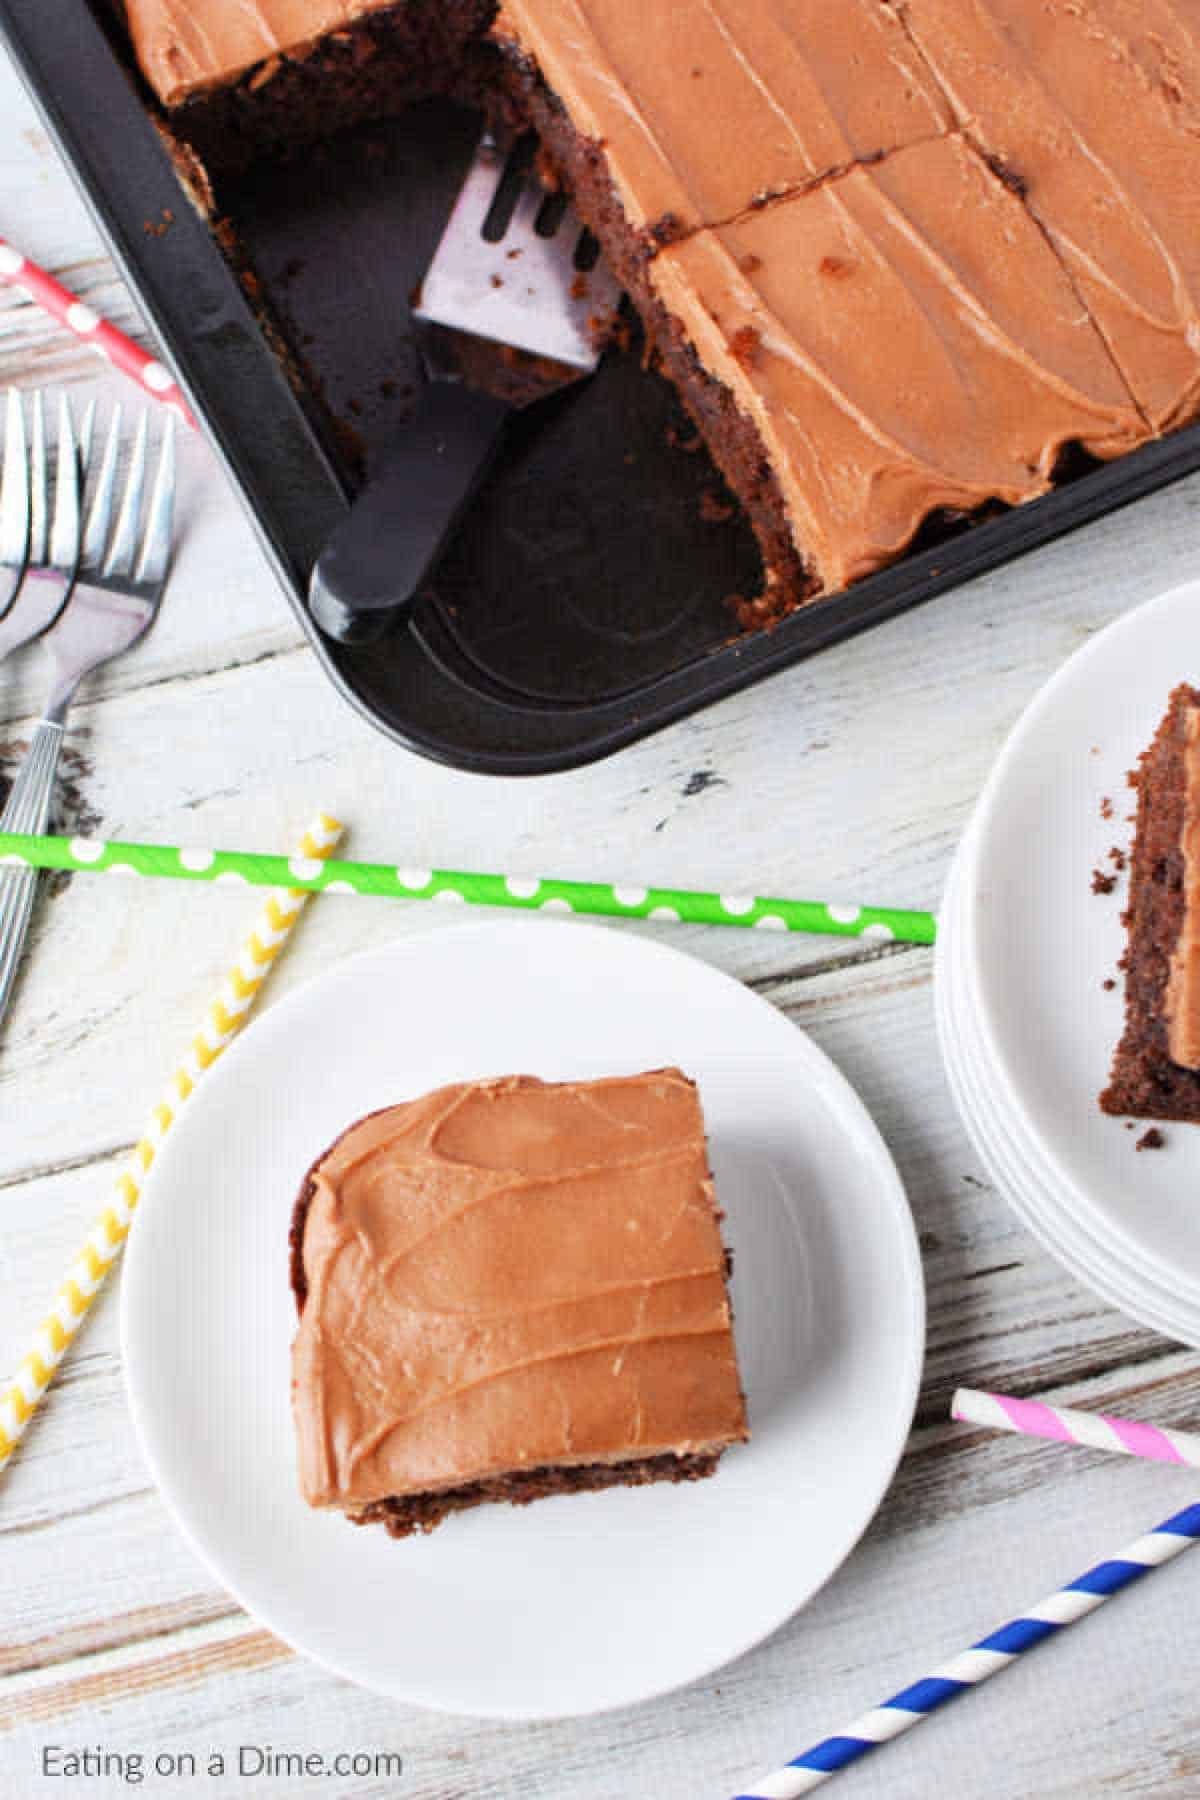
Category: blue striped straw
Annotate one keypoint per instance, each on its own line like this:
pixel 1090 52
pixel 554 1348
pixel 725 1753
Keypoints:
pixel 987 1657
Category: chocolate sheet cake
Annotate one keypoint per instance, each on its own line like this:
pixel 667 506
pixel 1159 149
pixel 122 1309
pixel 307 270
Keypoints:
pixel 905 260
pixel 511 1289
pixel 1156 1070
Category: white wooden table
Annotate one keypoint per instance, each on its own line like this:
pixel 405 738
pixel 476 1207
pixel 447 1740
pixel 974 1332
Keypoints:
pixel 849 777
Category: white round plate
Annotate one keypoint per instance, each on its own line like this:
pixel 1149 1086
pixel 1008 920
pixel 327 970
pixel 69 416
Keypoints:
pixel 580 1602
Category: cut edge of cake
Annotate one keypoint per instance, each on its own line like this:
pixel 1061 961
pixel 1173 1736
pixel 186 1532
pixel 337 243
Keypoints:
pixel 1145 1081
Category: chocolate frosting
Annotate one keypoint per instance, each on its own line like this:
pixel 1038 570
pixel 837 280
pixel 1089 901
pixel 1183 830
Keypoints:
pixel 508 1274
pixel 1093 108
pixel 188 46
pixel 904 338
pixel 1182 1000
pixel 702 108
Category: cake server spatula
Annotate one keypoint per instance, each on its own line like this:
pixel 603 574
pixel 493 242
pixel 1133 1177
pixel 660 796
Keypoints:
pixel 515 306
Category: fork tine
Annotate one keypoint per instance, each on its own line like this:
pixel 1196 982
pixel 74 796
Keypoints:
pixel 100 513
pixel 14 487
pixel 39 509
pixel 156 544
pixel 85 437
pixel 64 532
pixel 119 561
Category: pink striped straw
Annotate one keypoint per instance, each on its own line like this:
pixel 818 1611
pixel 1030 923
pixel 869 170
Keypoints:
pixel 1067 1425
pixel 151 375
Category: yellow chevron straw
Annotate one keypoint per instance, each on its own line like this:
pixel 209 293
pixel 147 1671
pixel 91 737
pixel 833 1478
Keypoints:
pixel 224 1019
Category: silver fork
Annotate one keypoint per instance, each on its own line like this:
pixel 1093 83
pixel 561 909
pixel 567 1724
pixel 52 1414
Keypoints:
pixel 38 555
pixel 121 576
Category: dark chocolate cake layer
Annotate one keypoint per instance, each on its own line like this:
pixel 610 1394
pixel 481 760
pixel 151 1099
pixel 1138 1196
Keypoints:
pixel 232 104
pixel 404 1515
pixel 1145 1081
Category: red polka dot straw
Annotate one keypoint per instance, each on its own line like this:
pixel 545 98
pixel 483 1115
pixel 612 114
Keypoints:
pixel 151 375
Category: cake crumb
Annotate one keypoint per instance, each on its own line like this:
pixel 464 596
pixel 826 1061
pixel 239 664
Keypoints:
pixel 579 287
pixel 1103 882
pixel 1117 858
pixel 1016 184
pixel 666 230
pixel 497 281
pixel 837 267
pixel 750 264
pixel 745 344
pixel 1106 807
pixel 1151 1140
pixel 714 510
pixel 1108 985
pixel 264 73
pixel 689 444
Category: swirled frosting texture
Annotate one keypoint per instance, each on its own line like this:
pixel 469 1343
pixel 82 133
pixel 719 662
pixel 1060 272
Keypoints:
pixel 509 1274
pixel 904 339
pixel 1093 108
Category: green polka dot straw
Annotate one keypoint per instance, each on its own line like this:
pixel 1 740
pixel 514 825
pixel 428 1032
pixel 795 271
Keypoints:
pixel 389 881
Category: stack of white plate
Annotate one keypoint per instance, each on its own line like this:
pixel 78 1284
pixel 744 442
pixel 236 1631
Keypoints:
pixel 1025 948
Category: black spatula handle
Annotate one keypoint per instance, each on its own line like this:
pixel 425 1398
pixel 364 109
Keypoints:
pixel 378 558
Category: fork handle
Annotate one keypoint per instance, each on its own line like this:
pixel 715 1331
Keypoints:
pixel 379 557
pixel 28 809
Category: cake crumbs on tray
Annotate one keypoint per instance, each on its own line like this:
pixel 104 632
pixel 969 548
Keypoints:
pixel 1151 1140
pixel 1103 882
pixel 1106 807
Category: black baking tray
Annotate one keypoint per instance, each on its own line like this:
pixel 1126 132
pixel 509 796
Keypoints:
pixel 585 600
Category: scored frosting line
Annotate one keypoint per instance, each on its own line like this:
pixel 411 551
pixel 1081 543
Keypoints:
pixel 969 128
pixel 964 129
pixel 992 326
pixel 796 190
